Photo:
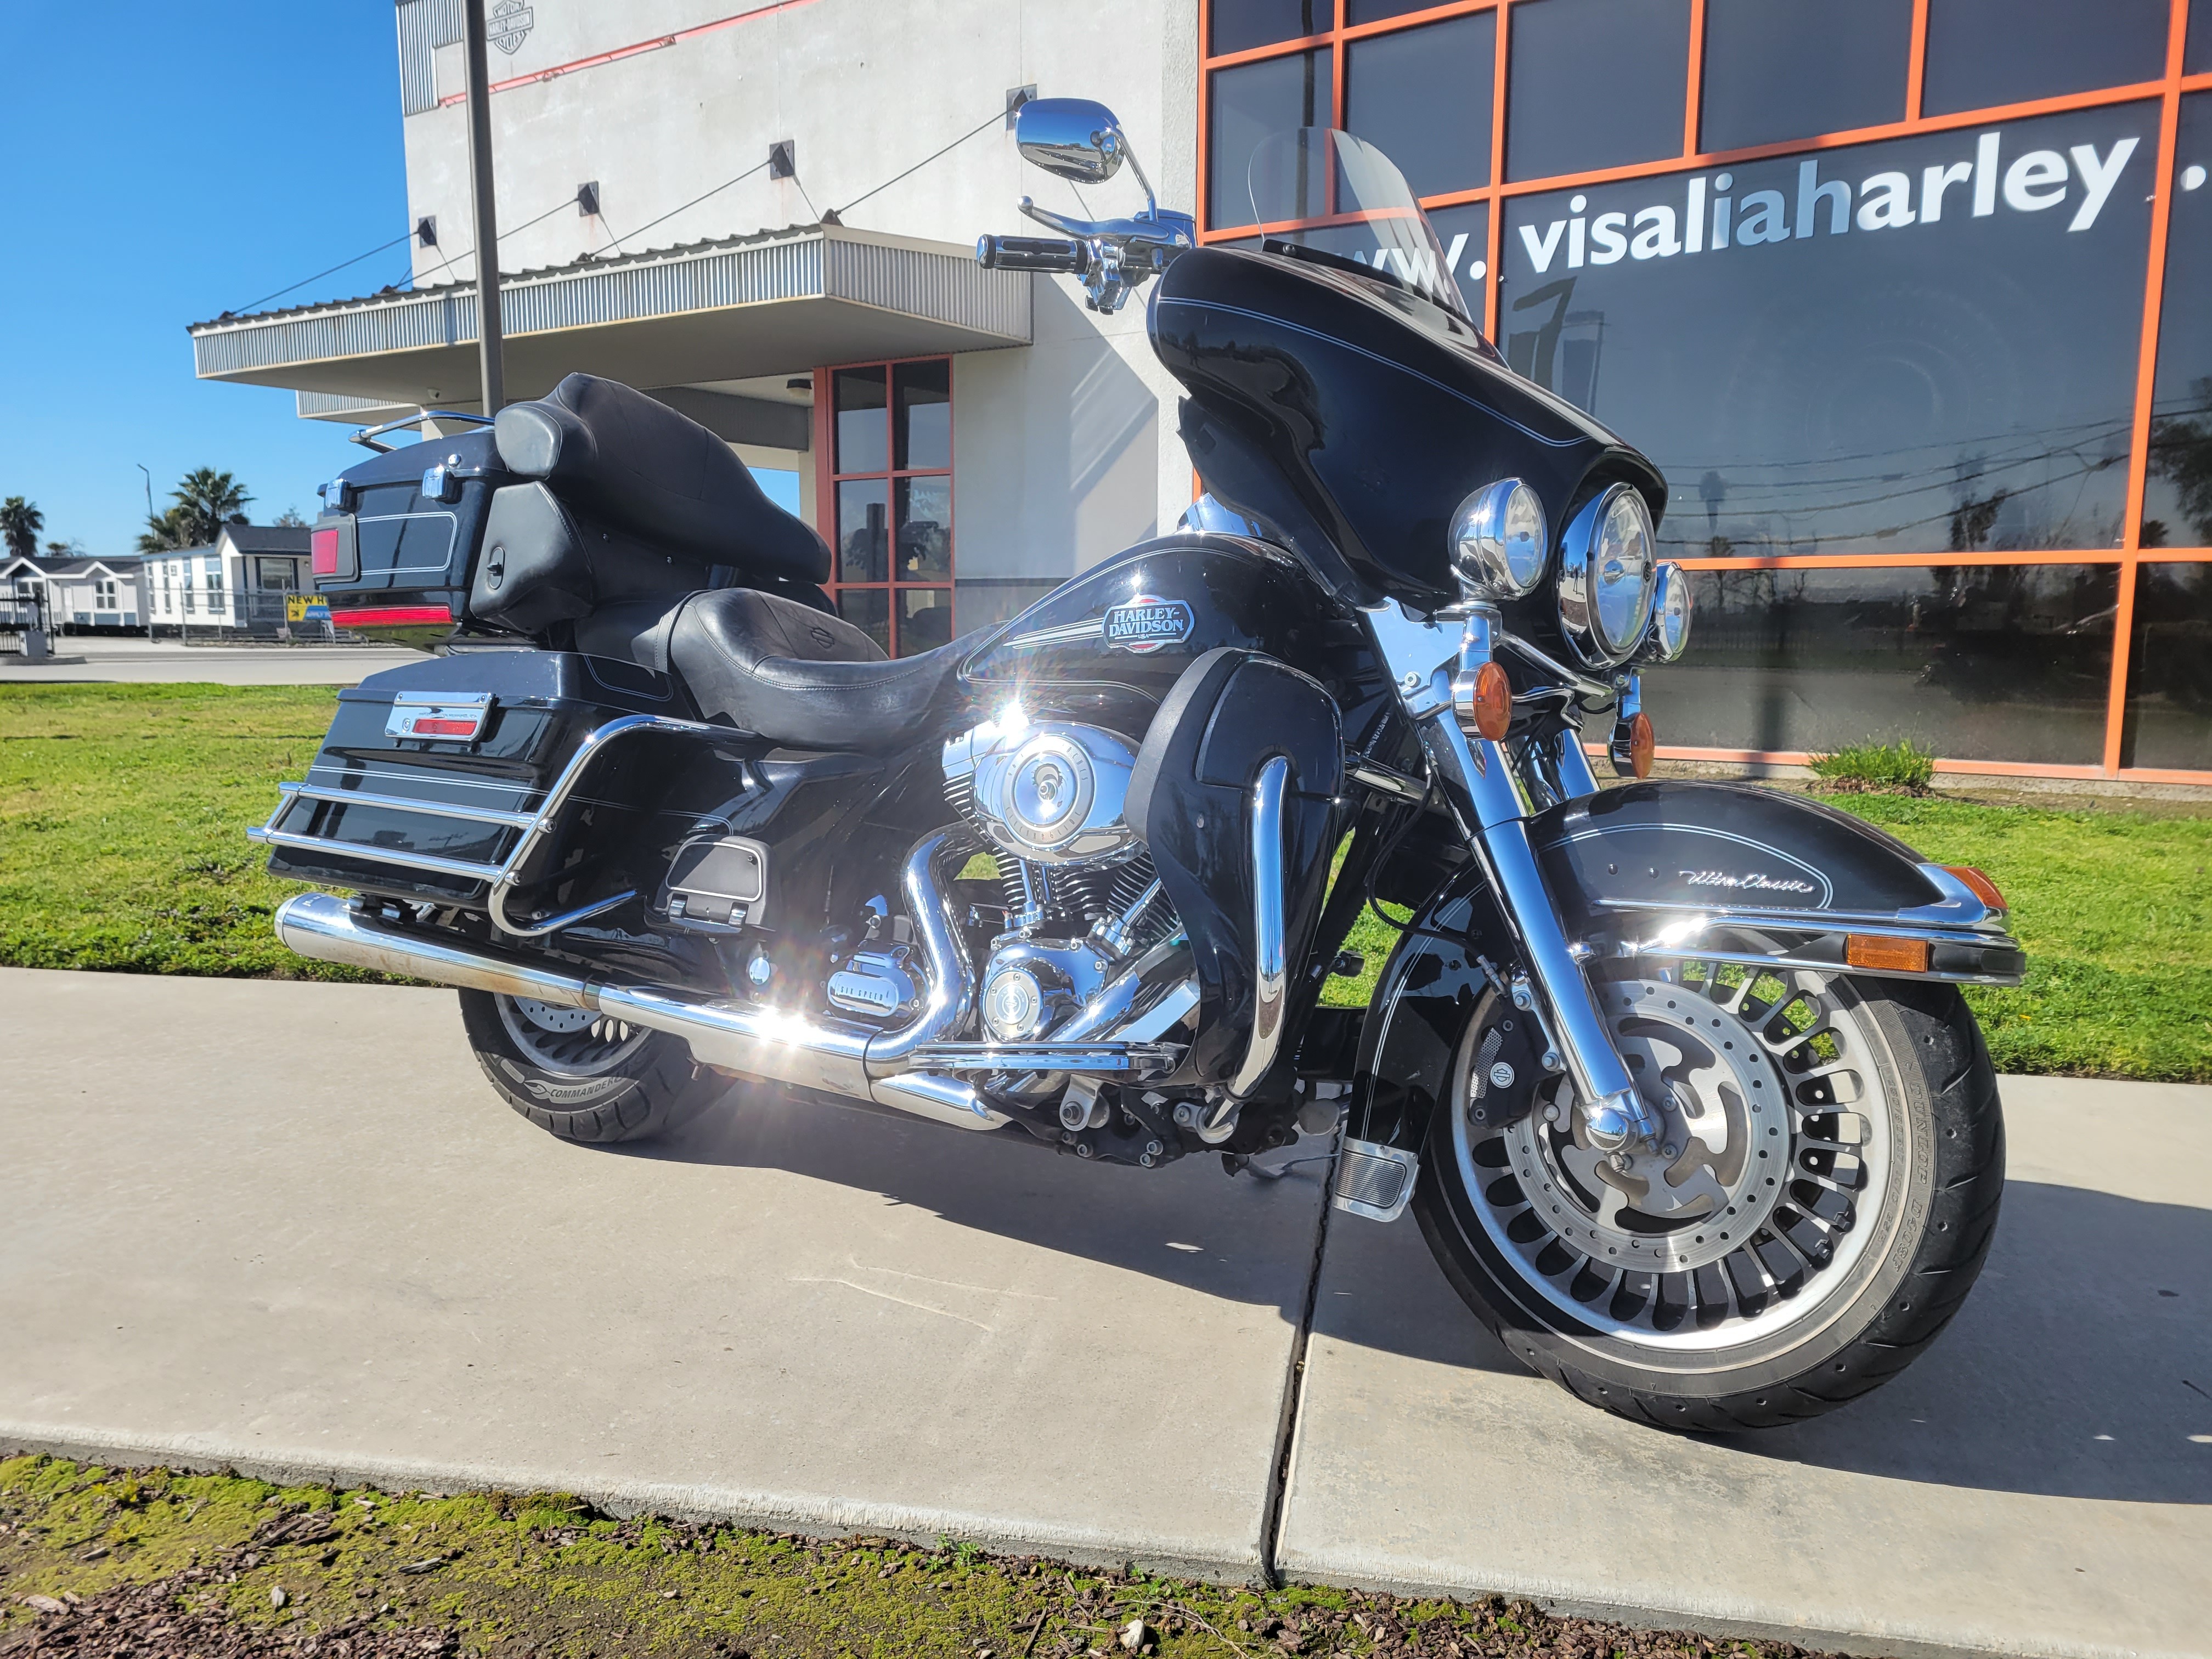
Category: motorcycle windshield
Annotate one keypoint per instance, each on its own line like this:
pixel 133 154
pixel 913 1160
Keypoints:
pixel 1324 188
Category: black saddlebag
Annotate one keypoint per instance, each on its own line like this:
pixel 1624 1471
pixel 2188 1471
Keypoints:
pixel 434 775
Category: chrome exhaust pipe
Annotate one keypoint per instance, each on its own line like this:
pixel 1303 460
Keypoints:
pixel 857 1061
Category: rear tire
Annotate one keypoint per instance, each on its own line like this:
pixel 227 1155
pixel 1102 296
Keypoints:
pixel 1754 1300
pixel 583 1077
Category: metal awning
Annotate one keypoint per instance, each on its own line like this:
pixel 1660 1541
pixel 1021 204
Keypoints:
pixel 781 302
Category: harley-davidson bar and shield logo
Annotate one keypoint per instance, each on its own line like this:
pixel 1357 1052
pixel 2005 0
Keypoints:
pixel 1146 624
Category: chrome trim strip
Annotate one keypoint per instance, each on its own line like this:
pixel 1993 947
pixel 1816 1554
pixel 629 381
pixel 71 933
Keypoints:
pixel 1139 1059
pixel 1270 946
pixel 324 844
pixel 405 804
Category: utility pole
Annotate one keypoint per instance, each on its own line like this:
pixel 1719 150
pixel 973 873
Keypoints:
pixel 489 356
pixel 141 466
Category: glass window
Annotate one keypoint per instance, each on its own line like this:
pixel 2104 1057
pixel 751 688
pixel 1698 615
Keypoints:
pixel 925 619
pixel 1982 53
pixel 2177 492
pixel 863 530
pixel 869 610
pixel 1422 96
pixel 1594 83
pixel 1926 344
pixel 925 529
pixel 2006 662
pixel 861 428
pixel 1241 25
pixel 1245 105
pixel 2169 711
pixel 1465 232
pixel 2197 52
pixel 1777 69
pixel 922 414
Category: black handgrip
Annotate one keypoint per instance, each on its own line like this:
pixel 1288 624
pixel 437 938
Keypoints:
pixel 1031 253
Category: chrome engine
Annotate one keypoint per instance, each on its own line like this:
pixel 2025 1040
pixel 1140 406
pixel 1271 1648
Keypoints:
pixel 1081 896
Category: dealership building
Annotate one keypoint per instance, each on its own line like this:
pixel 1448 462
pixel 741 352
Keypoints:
pixel 1906 298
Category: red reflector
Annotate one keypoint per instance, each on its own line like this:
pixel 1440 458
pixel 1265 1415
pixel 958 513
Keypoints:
pixel 432 727
pixel 323 548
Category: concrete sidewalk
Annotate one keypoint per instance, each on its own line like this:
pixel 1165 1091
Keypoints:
pixel 89 660
pixel 287 1227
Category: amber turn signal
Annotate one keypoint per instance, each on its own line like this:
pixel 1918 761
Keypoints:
pixel 1494 701
pixel 1978 884
pixel 1886 955
pixel 1633 743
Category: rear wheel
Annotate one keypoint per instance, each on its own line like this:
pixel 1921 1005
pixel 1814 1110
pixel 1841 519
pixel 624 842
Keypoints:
pixel 584 1076
pixel 1825 1192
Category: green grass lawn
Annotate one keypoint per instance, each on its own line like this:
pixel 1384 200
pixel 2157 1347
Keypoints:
pixel 122 817
pixel 123 813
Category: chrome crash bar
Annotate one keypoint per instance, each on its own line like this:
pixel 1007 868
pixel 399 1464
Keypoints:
pixel 501 877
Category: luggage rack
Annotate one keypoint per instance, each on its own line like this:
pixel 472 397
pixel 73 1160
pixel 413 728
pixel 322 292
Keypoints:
pixel 500 878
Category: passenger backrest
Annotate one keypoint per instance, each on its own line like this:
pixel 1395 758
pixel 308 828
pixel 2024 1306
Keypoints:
pixel 640 469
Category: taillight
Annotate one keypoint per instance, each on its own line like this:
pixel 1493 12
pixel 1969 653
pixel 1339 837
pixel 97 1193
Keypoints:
pixel 324 547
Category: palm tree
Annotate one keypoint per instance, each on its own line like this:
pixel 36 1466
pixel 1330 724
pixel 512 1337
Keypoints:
pixel 20 524
pixel 165 533
pixel 206 501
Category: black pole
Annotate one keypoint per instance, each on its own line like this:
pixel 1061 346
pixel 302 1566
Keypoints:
pixel 490 352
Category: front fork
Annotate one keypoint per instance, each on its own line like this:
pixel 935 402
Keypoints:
pixel 1475 774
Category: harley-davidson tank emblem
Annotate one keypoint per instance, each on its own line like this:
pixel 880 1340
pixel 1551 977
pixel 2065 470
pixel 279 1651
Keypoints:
pixel 1146 624
pixel 1756 882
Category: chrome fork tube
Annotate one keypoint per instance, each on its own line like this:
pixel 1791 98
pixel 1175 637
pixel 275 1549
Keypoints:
pixel 1476 778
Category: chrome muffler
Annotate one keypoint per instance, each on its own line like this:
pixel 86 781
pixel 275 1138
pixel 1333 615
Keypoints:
pixel 859 1062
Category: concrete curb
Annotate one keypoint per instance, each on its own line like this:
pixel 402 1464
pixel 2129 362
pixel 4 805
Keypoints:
pixel 812 1513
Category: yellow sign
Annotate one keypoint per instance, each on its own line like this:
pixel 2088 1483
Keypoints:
pixel 307 607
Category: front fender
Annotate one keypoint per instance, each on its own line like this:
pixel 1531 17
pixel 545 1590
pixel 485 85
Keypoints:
pixel 1663 871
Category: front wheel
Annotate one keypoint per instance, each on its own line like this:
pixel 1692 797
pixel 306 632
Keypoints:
pixel 584 1076
pixel 1824 1194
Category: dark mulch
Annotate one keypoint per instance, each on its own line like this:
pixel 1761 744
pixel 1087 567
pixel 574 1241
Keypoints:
pixel 159 1621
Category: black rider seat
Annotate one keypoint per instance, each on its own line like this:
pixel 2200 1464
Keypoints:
pixel 800 677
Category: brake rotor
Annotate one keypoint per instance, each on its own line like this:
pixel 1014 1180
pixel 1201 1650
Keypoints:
pixel 1724 1152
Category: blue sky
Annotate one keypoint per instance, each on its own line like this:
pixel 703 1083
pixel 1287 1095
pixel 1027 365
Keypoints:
pixel 169 162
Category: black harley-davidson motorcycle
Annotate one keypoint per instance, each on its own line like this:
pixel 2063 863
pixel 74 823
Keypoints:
pixel 1675 1076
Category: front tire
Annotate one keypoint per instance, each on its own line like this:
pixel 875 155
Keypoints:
pixel 582 1076
pixel 1820 1207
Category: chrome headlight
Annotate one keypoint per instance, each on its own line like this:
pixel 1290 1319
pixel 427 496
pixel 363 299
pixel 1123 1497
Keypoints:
pixel 1498 545
pixel 1608 566
pixel 1670 617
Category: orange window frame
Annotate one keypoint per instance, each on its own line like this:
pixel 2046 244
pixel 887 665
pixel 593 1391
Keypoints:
pixel 2169 89
pixel 827 477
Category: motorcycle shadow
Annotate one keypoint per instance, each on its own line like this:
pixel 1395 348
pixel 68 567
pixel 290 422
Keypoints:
pixel 2077 1368
pixel 2081 1366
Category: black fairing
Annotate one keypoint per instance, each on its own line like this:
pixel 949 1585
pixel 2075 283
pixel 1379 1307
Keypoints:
pixel 1191 793
pixel 1671 844
pixel 1238 593
pixel 1346 410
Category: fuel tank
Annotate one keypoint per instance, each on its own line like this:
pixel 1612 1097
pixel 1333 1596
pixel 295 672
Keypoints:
pixel 1115 639
pixel 1357 416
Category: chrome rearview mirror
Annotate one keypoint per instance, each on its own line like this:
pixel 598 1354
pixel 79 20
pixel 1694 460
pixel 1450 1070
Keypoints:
pixel 1073 137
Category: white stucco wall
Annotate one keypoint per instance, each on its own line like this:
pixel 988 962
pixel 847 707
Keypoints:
pixel 1065 450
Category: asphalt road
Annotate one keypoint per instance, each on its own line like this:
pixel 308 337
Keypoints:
pixel 287 1227
pixel 87 659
